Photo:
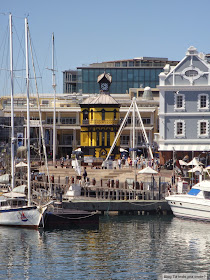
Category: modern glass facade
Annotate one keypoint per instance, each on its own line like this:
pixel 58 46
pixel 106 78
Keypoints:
pixel 133 73
pixel 122 78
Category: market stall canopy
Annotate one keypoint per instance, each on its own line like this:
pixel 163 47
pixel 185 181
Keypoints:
pixel 123 150
pixel 208 167
pixel 195 162
pixel 5 179
pixel 197 169
pixel 182 162
pixel 148 170
pixel 21 164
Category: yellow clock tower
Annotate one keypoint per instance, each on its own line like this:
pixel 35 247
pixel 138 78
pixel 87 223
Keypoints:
pixel 100 121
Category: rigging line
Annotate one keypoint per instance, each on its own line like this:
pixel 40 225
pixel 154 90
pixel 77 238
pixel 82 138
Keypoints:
pixel 5 36
pixel 37 63
pixel 40 114
pixel 21 49
pixel 45 61
pixel 36 59
pixel 57 77
pixel 20 43
pixel 6 84
pixel 5 45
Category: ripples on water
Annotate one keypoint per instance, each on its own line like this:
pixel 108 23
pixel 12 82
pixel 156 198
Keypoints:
pixel 126 247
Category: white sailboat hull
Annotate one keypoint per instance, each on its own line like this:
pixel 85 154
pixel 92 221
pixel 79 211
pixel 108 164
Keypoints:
pixel 189 207
pixel 22 216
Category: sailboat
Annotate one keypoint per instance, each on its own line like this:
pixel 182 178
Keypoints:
pixel 15 208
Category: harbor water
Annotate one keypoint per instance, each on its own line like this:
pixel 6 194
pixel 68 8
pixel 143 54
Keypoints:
pixel 124 247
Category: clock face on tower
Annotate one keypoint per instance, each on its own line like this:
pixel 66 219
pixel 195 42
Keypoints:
pixel 104 86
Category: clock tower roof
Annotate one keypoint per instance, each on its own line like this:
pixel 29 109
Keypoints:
pixel 104 77
pixel 100 99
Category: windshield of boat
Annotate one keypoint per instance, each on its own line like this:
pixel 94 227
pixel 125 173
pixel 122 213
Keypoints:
pixel 194 192
pixel 206 195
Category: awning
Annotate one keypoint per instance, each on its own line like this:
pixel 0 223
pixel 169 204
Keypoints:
pixel 170 147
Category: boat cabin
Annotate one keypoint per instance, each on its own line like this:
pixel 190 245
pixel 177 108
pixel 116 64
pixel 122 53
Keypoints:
pixel 6 203
pixel 201 190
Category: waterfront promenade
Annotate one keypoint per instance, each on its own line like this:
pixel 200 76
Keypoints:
pixel 113 190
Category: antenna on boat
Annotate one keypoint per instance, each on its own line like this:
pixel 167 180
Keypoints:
pixel 12 108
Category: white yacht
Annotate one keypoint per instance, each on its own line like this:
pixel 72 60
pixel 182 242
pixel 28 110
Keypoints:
pixel 15 211
pixel 194 205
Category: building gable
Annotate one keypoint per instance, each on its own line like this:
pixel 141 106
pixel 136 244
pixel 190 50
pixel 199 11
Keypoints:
pixel 193 69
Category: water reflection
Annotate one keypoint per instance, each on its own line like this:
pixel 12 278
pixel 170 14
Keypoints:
pixel 140 247
pixel 17 249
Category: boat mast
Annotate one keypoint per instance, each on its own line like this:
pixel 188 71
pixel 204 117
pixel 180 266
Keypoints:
pixel 40 114
pixel 12 107
pixel 28 114
pixel 54 111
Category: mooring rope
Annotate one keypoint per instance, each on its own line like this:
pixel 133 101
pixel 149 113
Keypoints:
pixel 144 204
pixel 75 218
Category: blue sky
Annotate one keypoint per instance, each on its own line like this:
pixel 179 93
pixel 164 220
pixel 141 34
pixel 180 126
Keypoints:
pixel 88 31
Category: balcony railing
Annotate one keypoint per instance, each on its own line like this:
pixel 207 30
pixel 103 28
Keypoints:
pixel 101 122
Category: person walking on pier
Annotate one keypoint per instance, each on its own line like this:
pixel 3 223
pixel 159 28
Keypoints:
pixel 85 174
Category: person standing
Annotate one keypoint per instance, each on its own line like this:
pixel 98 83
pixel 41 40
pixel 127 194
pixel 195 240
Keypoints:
pixel 85 174
pixel 119 163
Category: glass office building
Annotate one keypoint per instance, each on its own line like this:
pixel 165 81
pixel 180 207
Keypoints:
pixel 135 73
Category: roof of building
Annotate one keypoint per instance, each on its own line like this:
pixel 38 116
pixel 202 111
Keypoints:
pixel 100 99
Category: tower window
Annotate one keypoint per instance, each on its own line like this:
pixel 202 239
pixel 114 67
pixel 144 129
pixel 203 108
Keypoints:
pixel 97 138
pixel 108 138
pixel 103 139
pixel 103 115
pixel 115 114
pixel 85 115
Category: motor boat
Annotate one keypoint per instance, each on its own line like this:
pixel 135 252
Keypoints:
pixel 194 205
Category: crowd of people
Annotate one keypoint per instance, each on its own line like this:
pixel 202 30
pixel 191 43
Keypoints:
pixel 139 163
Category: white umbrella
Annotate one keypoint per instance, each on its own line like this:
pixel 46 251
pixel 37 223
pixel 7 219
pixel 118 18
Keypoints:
pixel 21 164
pixel 194 162
pixel 208 167
pixel 122 150
pixel 197 168
pixel 78 150
pixel 182 162
pixel 148 170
